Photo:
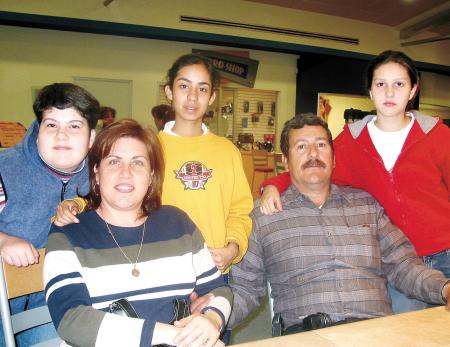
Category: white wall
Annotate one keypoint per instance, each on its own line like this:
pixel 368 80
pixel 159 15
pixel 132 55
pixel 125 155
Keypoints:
pixel 37 57
pixel 373 38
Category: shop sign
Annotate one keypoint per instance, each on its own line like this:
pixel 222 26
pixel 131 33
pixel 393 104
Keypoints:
pixel 235 68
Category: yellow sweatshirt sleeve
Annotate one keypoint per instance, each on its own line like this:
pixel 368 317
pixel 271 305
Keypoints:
pixel 238 223
pixel 81 203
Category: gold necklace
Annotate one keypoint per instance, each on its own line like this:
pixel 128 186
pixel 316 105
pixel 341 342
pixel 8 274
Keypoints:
pixel 135 272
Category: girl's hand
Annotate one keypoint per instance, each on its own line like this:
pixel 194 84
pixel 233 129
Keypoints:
pixel 224 256
pixel 270 201
pixel 199 330
pixel 66 213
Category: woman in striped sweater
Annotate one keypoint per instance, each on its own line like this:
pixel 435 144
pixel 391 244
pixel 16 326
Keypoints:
pixel 129 246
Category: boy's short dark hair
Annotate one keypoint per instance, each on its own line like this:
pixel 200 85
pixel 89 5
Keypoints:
pixel 66 95
pixel 298 122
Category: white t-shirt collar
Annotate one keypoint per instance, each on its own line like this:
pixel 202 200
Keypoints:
pixel 169 126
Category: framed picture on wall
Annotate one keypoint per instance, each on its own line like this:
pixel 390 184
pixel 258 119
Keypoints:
pixel 260 107
pixel 331 108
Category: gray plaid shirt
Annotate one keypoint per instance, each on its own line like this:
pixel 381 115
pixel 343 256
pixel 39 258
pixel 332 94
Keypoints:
pixel 335 259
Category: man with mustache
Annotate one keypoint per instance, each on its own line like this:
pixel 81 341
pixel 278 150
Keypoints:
pixel 329 254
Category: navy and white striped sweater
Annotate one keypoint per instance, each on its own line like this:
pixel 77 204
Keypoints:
pixel 85 271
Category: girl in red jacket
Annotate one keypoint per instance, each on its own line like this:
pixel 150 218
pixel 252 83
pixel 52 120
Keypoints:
pixel 399 156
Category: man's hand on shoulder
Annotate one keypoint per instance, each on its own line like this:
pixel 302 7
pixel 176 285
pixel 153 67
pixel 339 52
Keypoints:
pixel 17 252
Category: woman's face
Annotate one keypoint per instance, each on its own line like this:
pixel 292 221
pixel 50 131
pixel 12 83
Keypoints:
pixel 391 90
pixel 124 176
pixel 191 93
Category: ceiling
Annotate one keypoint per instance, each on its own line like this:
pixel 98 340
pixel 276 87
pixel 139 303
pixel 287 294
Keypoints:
pixel 412 17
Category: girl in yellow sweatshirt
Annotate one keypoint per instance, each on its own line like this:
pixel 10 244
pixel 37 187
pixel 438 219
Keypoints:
pixel 204 175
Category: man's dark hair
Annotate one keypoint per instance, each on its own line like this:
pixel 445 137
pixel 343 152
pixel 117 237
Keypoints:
pixel 163 112
pixel 66 95
pixel 104 110
pixel 298 122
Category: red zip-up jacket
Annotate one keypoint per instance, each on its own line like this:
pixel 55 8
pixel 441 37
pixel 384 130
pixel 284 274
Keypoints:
pixel 415 193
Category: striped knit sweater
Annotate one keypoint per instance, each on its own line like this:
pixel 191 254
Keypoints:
pixel 84 272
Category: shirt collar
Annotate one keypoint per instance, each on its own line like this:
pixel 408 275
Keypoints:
pixel 168 128
pixel 292 194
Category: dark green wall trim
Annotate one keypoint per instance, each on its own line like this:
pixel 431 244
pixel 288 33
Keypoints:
pixel 157 33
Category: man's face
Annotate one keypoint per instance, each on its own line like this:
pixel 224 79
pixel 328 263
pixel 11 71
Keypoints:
pixel 108 118
pixel 311 160
pixel 64 138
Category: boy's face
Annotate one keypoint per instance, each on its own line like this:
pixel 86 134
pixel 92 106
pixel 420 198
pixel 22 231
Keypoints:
pixel 64 138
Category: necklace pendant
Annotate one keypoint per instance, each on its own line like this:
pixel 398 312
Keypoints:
pixel 135 272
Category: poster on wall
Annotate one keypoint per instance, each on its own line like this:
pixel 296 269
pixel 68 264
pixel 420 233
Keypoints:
pixel 331 108
pixel 11 133
pixel 324 108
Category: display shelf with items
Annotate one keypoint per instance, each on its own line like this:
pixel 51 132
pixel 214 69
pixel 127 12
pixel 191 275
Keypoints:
pixel 261 112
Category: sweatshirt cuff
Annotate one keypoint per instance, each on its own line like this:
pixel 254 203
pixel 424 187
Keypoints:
pixel 81 203
pixel 241 248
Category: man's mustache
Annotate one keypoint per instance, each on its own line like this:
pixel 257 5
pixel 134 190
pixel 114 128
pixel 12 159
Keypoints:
pixel 313 163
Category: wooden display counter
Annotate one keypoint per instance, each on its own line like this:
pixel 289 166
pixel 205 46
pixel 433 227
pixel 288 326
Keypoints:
pixel 430 327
